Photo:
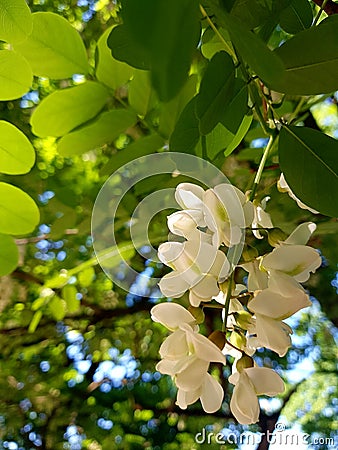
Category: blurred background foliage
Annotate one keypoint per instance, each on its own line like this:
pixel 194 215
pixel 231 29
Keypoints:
pixel 84 375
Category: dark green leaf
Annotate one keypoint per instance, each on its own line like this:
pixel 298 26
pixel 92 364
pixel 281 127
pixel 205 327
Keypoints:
pixel 186 133
pixel 296 17
pixel 267 65
pixel 311 61
pixel 216 91
pixel 252 12
pixel 309 161
pixel 169 33
pixel 124 48
pixel 237 107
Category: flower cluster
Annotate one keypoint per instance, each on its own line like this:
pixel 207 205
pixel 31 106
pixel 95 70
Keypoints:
pixel 210 222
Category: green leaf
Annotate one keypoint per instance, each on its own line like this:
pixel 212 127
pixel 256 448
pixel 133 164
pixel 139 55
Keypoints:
pixel 216 90
pixel 141 95
pixel 17 155
pixel 9 255
pixel 18 211
pixel 107 127
pixel 309 160
pixel 15 75
pixel 16 21
pixel 169 33
pixel 186 133
pixel 296 17
pixel 68 293
pixel 109 71
pixel 252 12
pixel 311 61
pixel 86 277
pixel 266 64
pixel 216 141
pixel 214 45
pixel 54 49
pixel 141 147
pixel 237 107
pixel 64 110
pixel 57 307
pixel 239 136
pixel 124 48
pixel 171 110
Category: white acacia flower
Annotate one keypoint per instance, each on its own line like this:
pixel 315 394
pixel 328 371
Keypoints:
pixel 186 357
pixel 257 278
pixel 261 219
pixel 249 383
pixel 284 187
pixel 227 213
pixel 198 266
pixel 185 223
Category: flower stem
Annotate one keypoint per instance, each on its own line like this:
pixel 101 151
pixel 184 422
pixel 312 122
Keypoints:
pixel 227 302
pixel 261 166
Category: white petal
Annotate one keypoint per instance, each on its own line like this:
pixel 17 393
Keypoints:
pixel 232 200
pixel 174 346
pixel 166 367
pixel 294 260
pixel 173 285
pixel 171 315
pixel 274 305
pixel 212 394
pixel 189 196
pixel 186 398
pixel 206 288
pixel 184 223
pixel 168 252
pixel 284 284
pixel 195 300
pixel 301 234
pixel 257 279
pixel 284 187
pixel 204 348
pixel 221 266
pixel 265 381
pixel 273 334
pixel 192 376
pixel 244 403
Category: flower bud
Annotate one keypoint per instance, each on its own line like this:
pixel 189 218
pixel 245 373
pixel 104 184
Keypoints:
pixel 243 319
pixel 218 338
pixel 249 253
pixel 244 363
pixel 197 313
pixel 238 340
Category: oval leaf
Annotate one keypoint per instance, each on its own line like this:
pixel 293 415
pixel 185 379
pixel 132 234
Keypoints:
pixel 54 49
pixel 309 161
pixel 311 61
pixel 17 155
pixel 15 75
pixel 64 110
pixel 18 211
pixel 16 21
pixel 186 133
pixel 109 71
pixel 9 255
pixel 216 90
pixel 296 17
pixel 105 129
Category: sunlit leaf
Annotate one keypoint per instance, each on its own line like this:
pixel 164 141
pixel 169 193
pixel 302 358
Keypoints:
pixel 17 155
pixel 64 110
pixel 141 93
pixel 54 49
pixel 309 161
pixel 109 71
pixel 107 127
pixel 68 293
pixel 16 21
pixel 18 211
pixel 15 75
pixel 9 255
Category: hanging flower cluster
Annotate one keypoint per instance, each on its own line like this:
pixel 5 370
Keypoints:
pixel 210 222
